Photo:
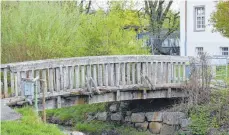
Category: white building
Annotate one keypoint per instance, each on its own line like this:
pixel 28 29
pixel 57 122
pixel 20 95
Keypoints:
pixel 195 19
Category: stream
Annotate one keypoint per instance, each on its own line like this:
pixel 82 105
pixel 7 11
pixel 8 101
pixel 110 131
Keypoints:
pixel 67 130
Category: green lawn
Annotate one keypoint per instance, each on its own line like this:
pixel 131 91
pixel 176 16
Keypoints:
pixel 30 124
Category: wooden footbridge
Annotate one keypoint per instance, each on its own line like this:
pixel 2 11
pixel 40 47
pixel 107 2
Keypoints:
pixel 96 79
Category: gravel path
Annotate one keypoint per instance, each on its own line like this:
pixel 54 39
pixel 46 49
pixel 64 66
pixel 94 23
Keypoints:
pixel 8 114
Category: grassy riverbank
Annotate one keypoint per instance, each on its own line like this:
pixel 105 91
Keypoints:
pixel 78 117
pixel 29 124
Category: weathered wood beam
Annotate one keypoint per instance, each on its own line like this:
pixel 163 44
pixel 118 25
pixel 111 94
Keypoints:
pixel 54 63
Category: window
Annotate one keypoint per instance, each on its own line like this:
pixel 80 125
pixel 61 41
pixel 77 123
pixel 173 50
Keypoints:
pixel 199 18
pixel 199 50
pixel 224 51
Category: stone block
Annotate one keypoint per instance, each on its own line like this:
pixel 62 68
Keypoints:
pixel 123 106
pixel 155 127
pixel 172 118
pixel 128 113
pixel 116 116
pixel 113 108
pixel 102 116
pixel 138 117
pixel 127 119
pixel 184 123
pixel 141 126
pixel 168 130
pixel 154 116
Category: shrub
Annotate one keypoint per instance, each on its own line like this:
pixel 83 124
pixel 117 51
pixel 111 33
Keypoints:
pixel 41 30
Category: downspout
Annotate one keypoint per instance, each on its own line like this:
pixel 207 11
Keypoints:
pixel 185 40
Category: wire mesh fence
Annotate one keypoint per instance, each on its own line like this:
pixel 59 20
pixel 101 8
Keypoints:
pixel 220 70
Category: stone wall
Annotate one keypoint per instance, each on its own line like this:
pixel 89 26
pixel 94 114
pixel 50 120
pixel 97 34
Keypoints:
pixel 160 123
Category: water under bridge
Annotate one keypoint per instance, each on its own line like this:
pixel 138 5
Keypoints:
pixel 95 79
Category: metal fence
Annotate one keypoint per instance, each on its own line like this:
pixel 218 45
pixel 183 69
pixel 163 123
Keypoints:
pixel 220 65
pixel 219 69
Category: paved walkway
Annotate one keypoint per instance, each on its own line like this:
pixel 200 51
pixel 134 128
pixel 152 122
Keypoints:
pixel 8 114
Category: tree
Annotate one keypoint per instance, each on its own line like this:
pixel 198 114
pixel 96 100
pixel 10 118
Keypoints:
pixel 220 18
pixel 159 14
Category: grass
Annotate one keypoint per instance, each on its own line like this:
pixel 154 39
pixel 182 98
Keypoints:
pixel 76 113
pixel 29 124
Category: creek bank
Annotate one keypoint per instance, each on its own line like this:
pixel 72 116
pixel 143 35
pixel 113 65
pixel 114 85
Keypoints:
pixel 162 123
pixel 143 117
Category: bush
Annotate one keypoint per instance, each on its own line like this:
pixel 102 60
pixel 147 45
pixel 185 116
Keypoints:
pixel 211 115
pixel 41 30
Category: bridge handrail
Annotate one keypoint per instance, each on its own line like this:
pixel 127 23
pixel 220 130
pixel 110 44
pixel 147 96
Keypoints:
pixel 70 73
pixel 52 63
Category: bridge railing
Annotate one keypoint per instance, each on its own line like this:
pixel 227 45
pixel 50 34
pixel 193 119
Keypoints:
pixel 71 74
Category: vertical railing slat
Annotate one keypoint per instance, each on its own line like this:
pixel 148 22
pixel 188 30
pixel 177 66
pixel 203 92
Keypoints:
pixel 44 77
pixel 100 73
pixel 77 76
pixel 94 74
pixel 61 78
pixel 169 72
pixel 150 71
pixel 50 79
pixel 12 77
pixel 165 80
pixel 37 74
pixel 5 83
pixel 184 72
pixel 58 79
pixel 123 74
pixel 174 72
pixel 65 72
pixel 31 74
pixel 117 73
pixel 105 74
pixel 144 69
pixel 18 88
pixel 155 72
pixel 111 77
pixel 162 72
pixel 88 71
pixel 133 66
pixel 71 77
pixel 138 73
pixel 83 76
pixel 23 75
pixel 128 73
pixel 179 71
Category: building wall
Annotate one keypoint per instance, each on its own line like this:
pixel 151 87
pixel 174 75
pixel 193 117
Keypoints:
pixel 210 41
